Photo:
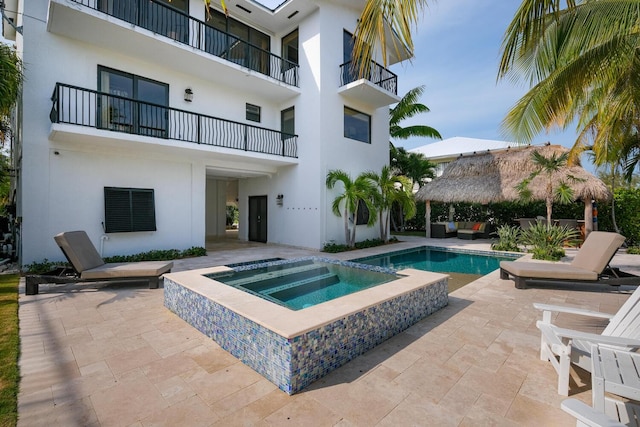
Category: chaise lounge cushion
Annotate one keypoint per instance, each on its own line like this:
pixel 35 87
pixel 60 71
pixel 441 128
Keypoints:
pixel 543 270
pixel 590 257
pixel 128 270
pixel 79 250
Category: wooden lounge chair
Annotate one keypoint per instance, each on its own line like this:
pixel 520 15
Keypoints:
pixel 617 413
pixel 88 266
pixel 590 265
pixel 562 347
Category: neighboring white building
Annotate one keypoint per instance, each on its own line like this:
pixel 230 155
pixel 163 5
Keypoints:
pixel 444 152
pixel 149 115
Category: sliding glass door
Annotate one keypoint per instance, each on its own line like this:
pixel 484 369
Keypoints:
pixel 132 104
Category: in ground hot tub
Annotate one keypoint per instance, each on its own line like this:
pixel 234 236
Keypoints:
pixel 293 348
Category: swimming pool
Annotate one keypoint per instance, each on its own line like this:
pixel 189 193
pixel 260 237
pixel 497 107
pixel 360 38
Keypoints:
pixel 303 283
pixel 440 260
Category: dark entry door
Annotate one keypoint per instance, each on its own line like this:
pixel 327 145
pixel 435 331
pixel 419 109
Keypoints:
pixel 258 219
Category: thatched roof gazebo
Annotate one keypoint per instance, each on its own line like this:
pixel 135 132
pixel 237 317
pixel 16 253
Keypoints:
pixel 493 176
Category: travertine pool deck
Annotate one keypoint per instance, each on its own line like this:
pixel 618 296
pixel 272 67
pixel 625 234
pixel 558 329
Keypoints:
pixel 95 355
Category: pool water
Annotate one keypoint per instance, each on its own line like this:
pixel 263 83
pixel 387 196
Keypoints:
pixel 437 260
pixel 303 283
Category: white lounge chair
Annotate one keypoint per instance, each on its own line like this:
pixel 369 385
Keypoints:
pixel 617 413
pixel 589 265
pixel 571 346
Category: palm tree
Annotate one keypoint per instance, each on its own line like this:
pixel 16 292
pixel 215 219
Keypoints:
pixel 391 189
pixel 414 166
pixel 362 189
pixel 582 61
pixel 378 19
pixel 559 191
pixel 10 80
pixel 407 108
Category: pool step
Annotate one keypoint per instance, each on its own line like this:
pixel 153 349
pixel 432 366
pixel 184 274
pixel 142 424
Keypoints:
pixel 303 288
pixel 290 284
pixel 236 278
pixel 257 284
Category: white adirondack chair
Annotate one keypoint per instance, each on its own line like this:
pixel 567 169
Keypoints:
pixel 618 413
pixel 570 346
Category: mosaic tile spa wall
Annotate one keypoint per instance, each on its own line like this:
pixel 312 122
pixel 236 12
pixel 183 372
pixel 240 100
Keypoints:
pixel 294 363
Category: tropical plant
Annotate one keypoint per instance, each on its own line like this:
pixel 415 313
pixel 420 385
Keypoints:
pixel 381 19
pixel 581 60
pixel 414 166
pixel 391 189
pixel 10 82
pixel 362 189
pixel 508 239
pixel 554 191
pixel 628 208
pixel 405 109
pixel 547 242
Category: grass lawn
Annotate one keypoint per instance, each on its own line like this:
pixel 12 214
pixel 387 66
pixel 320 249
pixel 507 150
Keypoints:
pixel 9 349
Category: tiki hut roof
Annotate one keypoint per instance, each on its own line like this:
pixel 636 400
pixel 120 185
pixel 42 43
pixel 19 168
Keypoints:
pixel 493 177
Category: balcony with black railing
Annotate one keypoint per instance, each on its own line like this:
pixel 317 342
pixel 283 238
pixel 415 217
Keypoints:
pixel 85 107
pixel 377 86
pixel 174 24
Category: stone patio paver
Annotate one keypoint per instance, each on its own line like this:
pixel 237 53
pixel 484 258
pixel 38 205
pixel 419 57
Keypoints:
pixel 95 355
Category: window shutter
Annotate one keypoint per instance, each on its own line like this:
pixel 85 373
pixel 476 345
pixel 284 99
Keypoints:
pixel 128 209
pixel 143 210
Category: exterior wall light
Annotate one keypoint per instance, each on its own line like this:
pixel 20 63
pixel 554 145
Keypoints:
pixel 188 94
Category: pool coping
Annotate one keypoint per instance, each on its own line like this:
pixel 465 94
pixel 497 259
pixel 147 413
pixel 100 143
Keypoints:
pixel 289 323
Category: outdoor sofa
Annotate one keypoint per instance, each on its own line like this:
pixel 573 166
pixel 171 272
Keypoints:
pixel 469 230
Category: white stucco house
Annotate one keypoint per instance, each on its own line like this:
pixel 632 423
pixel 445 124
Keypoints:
pixel 140 120
pixel 441 153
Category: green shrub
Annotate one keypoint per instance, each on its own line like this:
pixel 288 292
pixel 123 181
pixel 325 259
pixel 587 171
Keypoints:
pixel 547 242
pixel 194 251
pixel 154 255
pixel 508 239
pixel 548 253
pixel 633 250
pixel 43 267
pixel 628 214
pixel 334 248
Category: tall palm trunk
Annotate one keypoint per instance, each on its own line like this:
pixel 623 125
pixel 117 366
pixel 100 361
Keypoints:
pixel 613 199
pixel 346 225
pixel 549 201
pixel 352 239
pixel 381 225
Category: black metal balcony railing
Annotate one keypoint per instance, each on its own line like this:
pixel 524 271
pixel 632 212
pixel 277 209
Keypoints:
pixel 85 107
pixel 376 74
pixel 175 24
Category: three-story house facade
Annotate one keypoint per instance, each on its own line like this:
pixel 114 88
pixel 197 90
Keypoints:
pixel 142 120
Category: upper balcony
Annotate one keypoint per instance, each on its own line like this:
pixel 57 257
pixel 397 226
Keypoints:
pixel 379 86
pixel 85 116
pixel 155 32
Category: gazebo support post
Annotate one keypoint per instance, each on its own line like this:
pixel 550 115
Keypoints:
pixel 427 217
pixel 588 217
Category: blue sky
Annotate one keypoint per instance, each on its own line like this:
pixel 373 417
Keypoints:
pixel 457 52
